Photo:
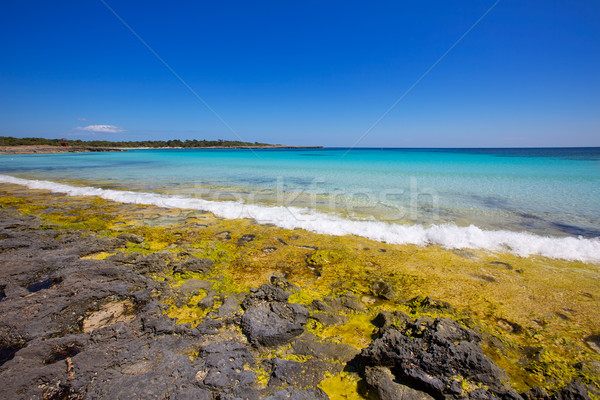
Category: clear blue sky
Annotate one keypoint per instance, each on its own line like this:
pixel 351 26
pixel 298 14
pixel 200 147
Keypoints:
pixel 304 73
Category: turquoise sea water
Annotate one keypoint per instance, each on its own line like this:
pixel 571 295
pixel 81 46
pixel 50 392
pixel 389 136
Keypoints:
pixel 543 192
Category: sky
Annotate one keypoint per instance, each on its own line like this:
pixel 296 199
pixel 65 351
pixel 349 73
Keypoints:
pixel 475 73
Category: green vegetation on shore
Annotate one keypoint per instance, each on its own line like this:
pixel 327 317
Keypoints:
pixel 12 141
pixel 536 315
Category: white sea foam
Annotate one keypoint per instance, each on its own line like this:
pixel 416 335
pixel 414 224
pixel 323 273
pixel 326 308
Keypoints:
pixel 447 235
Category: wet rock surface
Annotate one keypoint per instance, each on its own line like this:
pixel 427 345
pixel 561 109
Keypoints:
pixel 269 320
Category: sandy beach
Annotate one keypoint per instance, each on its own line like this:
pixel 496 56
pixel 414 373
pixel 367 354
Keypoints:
pixel 233 307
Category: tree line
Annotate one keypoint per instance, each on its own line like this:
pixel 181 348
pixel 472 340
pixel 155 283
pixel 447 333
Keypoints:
pixel 12 141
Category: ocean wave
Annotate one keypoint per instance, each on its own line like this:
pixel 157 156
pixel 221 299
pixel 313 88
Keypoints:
pixel 447 235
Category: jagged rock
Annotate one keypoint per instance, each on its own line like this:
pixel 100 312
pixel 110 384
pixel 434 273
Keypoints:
pixel 222 366
pixel 269 320
pixel 382 381
pixel 301 375
pixel 265 294
pixel 535 393
pixel 273 324
pixel 229 308
pixel 194 264
pixel 129 237
pixel 154 263
pixel 573 391
pixel 431 354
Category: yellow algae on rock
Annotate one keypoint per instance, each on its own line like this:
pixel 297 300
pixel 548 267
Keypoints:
pixel 535 313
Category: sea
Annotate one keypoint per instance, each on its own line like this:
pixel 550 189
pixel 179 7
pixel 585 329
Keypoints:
pixel 529 201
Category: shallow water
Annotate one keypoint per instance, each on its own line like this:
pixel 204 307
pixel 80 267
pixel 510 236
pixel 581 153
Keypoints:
pixel 488 198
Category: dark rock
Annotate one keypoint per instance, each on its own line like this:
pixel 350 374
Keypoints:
pixel 308 345
pixel 351 303
pixel 329 319
pixel 128 237
pixel 589 367
pixel 386 319
pixel 429 355
pixel 194 264
pixel 530 354
pixel 562 316
pixel 302 375
pixel 594 342
pixel 484 278
pixel 222 366
pixel 298 394
pixel 321 306
pixel 383 289
pixel 273 324
pixel 265 294
pixel 508 326
pixel 225 235
pixel 44 353
pixel 426 303
pixel 154 263
pixel 208 301
pixel 382 381
pixel 230 307
pixel 7 352
pixel 43 284
pixel 192 287
pixel 502 264
pixel 245 239
pixel 573 391
pixel 12 290
pixel 123 257
pixel 279 279
pixel 535 393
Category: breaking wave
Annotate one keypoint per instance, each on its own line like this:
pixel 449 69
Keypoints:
pixel 447 235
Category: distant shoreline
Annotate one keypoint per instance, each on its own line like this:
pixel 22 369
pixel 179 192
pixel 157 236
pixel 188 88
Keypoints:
pixel 46 149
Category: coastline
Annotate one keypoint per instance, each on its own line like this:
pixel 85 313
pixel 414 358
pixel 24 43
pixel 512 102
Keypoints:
pixel 518 303
pixel 44 149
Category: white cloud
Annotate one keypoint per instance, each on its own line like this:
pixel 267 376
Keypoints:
pixel 100 128
pixel 82 119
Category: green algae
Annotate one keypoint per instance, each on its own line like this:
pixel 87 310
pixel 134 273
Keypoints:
pixel 523 303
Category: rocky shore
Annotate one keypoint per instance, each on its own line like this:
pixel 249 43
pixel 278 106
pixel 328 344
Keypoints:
pixel 86 315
